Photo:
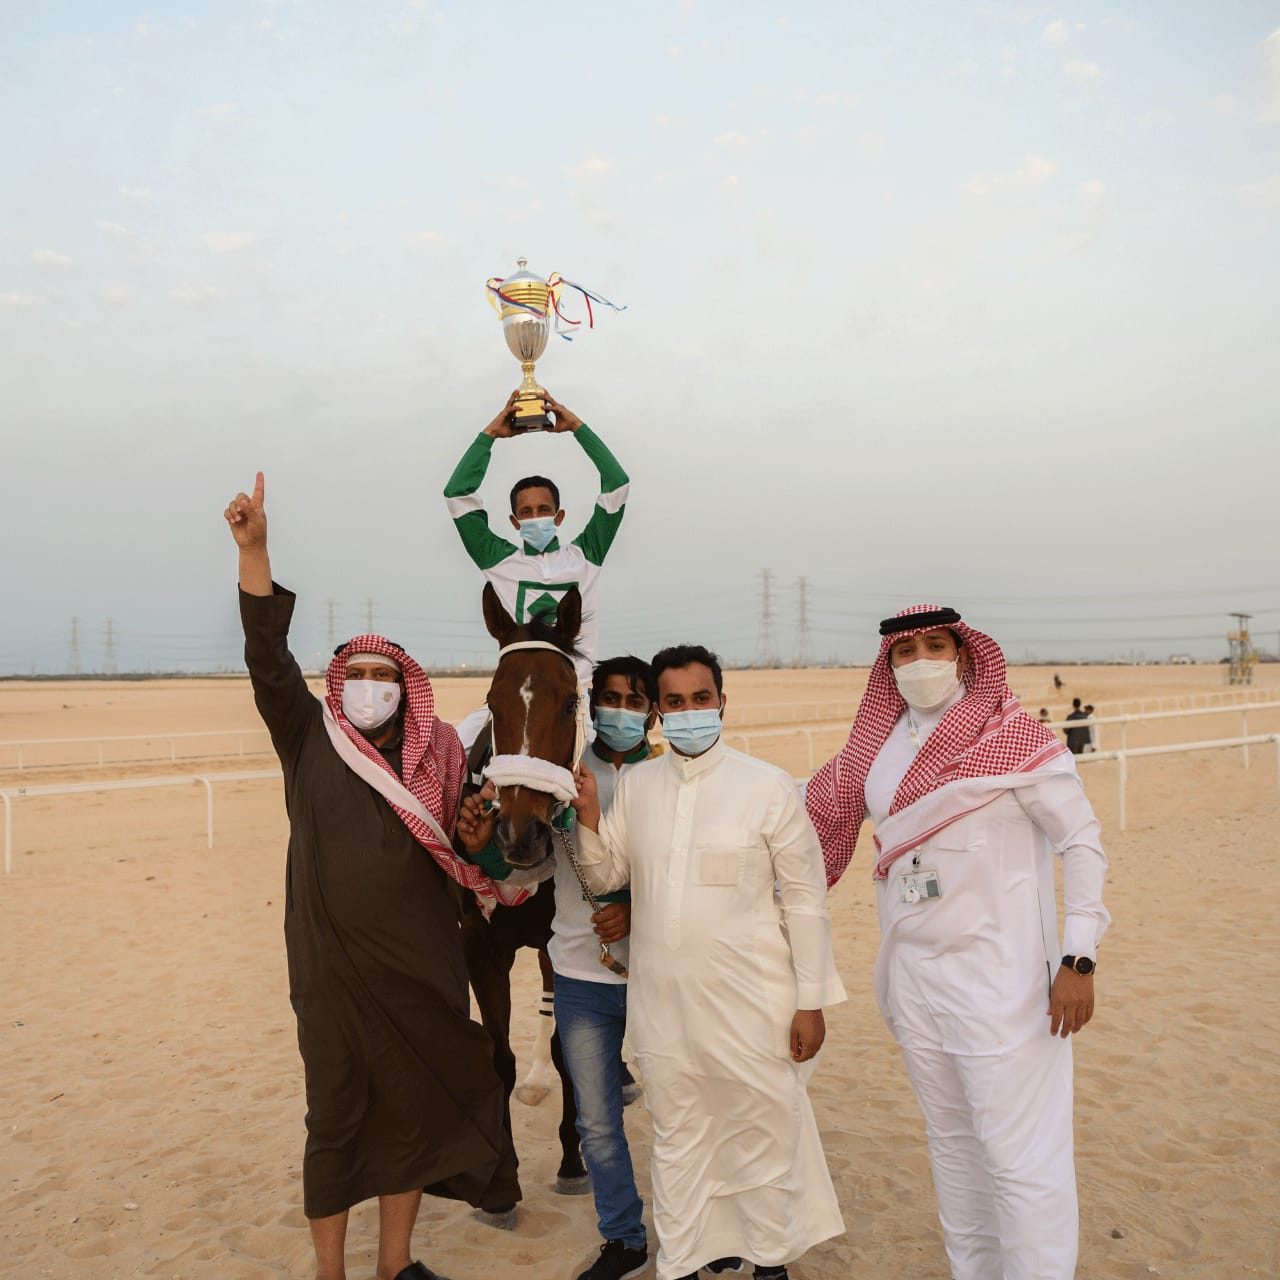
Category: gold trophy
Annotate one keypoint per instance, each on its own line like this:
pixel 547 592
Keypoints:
pixel 524 302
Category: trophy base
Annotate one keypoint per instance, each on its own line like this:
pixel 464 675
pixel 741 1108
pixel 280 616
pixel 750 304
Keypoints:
pixel 536 421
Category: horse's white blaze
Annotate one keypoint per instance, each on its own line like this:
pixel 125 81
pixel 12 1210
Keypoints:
pixel 526 696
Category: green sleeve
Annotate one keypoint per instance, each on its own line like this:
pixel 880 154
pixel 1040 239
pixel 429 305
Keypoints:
pixel 467 508
pixel 489 860
pixel 596 539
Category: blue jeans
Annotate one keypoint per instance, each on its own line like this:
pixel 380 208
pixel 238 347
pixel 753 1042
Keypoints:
pixel 591 1018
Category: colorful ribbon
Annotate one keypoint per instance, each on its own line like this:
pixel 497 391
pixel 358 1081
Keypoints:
pixel 556 284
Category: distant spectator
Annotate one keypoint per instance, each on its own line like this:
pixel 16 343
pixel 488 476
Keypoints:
pixel 1077 736
pixel 1057 681
pixel 1044 715
pixel 1092 744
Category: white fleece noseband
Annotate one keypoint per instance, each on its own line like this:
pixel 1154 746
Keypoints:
pixel 532 771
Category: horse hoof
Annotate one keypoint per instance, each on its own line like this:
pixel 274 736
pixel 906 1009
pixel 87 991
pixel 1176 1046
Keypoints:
pixel 503 1220
pixel 531 1094
pixel 573 1186
pixel 630 1093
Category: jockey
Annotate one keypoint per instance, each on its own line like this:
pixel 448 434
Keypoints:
pixel 531 577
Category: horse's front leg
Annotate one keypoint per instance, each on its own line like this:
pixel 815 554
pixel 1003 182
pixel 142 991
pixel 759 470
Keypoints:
pixel 542 1072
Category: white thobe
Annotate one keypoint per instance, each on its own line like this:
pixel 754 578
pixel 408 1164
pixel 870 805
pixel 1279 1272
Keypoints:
pixel 720 962
pixel 963 982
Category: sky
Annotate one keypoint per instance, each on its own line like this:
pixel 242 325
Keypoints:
pixel 972 303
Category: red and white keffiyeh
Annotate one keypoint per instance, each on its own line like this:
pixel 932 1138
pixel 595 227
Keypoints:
pixel 985 735
pixel 432 758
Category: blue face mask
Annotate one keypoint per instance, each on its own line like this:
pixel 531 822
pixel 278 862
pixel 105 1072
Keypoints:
pixel 539 532
pixel 692 732
pixel 619 728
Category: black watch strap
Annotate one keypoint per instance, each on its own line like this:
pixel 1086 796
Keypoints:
pixel 1081 964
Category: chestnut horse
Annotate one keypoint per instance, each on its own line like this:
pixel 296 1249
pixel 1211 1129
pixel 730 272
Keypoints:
pixel 533 705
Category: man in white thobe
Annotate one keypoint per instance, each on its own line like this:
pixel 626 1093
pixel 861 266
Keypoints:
pixel 731 966
pixel 970 798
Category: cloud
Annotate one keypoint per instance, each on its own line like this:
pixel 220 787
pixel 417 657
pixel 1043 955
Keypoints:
pixel 139 194
pixel 194 293
pixel 1093 191
pixel 736 140
pixel 12 300
pixel 1269 92
pixel 1034 171
pixel 220 111
pixel 1077 68
pixel 1056 34
pixel 114 230
pixel 837 98
pixel 963 69
pixel 116 295
pixel 594 168
pixel 425 238
pixel 1081 70
pixel 1258 99
pixel 229 241
pixel 871 146
pixel 1264 194
pixel 49 258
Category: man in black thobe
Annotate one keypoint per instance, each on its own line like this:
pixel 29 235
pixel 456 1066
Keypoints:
pixel 402 1094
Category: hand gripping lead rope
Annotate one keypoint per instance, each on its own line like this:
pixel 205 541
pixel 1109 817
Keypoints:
pixel 607 958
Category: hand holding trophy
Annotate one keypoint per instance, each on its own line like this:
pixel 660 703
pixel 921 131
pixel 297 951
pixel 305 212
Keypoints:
pixel 525 303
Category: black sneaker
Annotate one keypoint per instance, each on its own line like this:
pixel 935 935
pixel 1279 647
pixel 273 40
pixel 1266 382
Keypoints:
pixel 725 1266
pixel 770 1273
pixel 617 1261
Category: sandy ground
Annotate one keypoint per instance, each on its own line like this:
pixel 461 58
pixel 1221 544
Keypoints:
pixel 151 1093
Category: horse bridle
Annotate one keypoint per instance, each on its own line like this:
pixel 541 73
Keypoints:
pixel 559 822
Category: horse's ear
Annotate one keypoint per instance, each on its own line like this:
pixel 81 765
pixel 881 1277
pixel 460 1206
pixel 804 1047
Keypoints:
pixel 496 618
pixel 569 617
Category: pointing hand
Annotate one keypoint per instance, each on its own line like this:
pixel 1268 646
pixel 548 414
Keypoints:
pixel 248 519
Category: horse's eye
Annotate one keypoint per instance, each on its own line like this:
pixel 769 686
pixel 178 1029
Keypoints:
pixel 571 706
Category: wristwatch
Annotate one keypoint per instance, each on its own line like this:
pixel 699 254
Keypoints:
pixel 1081 964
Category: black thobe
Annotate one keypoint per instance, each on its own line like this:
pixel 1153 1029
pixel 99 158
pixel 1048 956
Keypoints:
pixel 1077 738
pixel 401 1087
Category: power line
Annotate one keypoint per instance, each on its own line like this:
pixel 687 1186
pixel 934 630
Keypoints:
pixel 802 622
pixel 109 658
pixel 73 650
pixel 766 644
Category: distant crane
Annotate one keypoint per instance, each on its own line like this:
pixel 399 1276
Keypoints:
pixel 1241 654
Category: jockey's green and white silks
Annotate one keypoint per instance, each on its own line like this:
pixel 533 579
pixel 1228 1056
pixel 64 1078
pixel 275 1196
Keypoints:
pixel 531 584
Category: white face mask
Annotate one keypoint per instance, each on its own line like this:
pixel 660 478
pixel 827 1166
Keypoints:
pixel 926 684
pixel 369 704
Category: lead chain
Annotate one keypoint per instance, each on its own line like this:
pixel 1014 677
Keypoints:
pixel 607 958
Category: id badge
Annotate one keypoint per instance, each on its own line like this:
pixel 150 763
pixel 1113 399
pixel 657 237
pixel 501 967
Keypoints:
pixel 919 884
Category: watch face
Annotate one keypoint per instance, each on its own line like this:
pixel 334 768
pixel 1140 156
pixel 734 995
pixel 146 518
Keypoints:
pixel 1084 965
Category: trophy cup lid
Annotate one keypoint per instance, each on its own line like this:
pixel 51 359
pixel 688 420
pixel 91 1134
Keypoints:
pixel 523 273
